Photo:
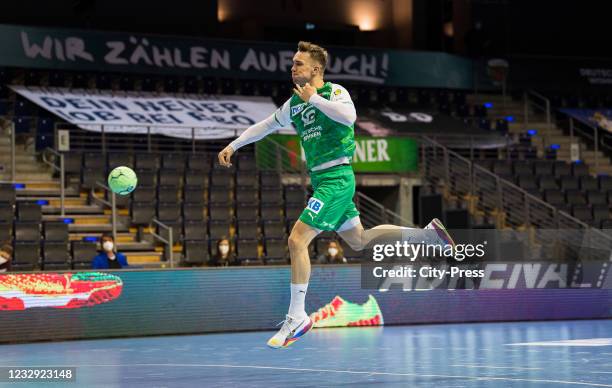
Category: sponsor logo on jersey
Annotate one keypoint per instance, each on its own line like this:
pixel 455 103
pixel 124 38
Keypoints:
pixel 315 205
pixel 308 116
pixel 297 109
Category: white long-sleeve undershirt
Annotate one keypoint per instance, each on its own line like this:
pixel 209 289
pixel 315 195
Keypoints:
pixel 339 108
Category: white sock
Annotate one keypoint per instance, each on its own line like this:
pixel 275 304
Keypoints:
pixel 297 308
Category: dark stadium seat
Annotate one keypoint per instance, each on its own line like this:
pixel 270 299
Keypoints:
pixel 247 250
pixel 83 253
pixel 198 162
pixel 167 194
pixel 219 195
pixel 7 213
pixel 292 212
pixel 271 212
pixel 246 212
pixel 168 212
pixel 221 178
pixel 94 161
pixel 91 176
pixel 542 167
pixel 120 159
pixel 169 177
pixel 55 255
pixel 26 256
pixel 73 163
pixel 575 197
pixel 6 230
pixel 271 196
pixel 144 194
pixel 270 179
pixel 583 213
pixel 193 211
pixel 247 229
pixel 29 211
pixel 246 194
pixel 569 182
pixel 56 231
pixel 194 195
pixel 196 178
pixel 547 182
pixel 195 230
pixel 195 253
pixel 527 182
pixel 554 197
pixel 522 167
pixel 274 229
pixel 502 167
pixel 588 183
pixel 219 212
pixel 276 251
pixel 191 85
pixel 219 229
pixel 596 197
pixel 247 178
pixel 146 177
pixel 561 168
pixel 142 212
pixel 580 169
pixel 27 231
pixel 174 162
pixel 7 194
pixel 295 195
pixel 600 213
pixel 147 161
pixel 605 183
pixel 246 163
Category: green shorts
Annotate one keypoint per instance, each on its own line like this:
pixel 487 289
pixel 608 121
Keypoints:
pixel 331 204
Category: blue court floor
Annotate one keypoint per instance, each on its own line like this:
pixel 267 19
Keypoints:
pixel 529 354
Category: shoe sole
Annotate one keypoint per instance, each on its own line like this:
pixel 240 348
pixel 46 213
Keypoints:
pixel 293 339
pixel 442 232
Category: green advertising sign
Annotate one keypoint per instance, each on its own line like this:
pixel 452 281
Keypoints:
pixel 50 48
pixel 372 154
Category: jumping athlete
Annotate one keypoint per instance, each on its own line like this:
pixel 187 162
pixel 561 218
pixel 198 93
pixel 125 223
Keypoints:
pixel 324 116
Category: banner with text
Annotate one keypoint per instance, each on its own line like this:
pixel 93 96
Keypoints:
pixel 122 52
pixel 387 155
pixel 211 117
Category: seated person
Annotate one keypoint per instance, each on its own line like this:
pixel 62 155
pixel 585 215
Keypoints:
pixel 224 255
pixel 108 258
pixel 333 255
pixel 6 255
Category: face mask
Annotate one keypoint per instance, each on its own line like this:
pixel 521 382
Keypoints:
pixel 3 260
pixel 223 249
pixel 332 251
pixel 108 246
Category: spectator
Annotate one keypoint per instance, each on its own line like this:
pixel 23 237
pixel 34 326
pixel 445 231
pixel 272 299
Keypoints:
pixel 224 255
pixel 333 255
pixel 6 255
pixel 108 258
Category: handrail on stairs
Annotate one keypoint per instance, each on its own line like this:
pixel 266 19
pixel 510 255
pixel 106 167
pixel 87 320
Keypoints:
pixel 62 172
pixel 532 98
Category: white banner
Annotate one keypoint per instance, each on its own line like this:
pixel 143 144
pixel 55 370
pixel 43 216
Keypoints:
pixel 187 116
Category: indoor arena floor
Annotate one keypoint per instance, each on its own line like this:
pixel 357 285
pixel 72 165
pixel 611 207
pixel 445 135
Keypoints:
pixel 525 354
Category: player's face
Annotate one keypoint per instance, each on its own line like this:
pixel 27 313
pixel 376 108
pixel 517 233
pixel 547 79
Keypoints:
pixel 304 69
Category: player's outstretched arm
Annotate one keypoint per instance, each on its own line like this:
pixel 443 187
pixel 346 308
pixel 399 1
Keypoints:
pixel 256 132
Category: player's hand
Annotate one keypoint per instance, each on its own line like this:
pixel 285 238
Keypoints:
pixel 225 155
pixel 304 92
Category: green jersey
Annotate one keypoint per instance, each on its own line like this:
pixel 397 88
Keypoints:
pixel 323 138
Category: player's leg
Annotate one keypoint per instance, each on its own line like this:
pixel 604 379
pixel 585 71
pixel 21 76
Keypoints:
pixel 353 233
pixel 297 322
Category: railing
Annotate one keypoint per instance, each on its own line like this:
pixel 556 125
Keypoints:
pixel 272 155
pixel 591 134
pixel 62 173
pixel 144 139
pixel 535 100
pixel 168 241
pixel 486 192
pixel 13 157
pixel 112 204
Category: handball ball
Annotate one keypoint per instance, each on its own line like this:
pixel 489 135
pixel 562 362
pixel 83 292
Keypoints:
pixel 122 180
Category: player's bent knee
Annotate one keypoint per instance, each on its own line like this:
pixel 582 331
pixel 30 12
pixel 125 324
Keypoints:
pixel 296 242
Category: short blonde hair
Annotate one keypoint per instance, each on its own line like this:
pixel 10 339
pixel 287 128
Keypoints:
pixel 318 53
